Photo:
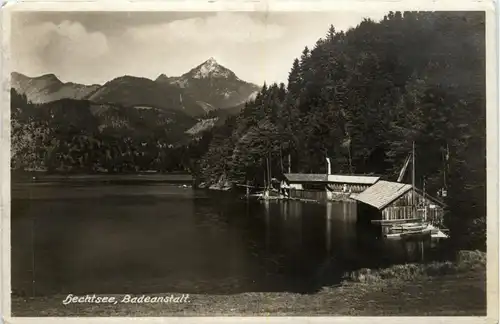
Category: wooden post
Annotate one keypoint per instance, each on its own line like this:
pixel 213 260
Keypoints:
pixel 265 179
pixel 33 283
pixel 350 157
pixel 281 161
pixel 268 174
pixel 328 227
pixel 413 181
pixel 425 202
pixel 289 163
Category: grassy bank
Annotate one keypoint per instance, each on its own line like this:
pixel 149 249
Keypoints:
pixel 466 262
pixel 437 289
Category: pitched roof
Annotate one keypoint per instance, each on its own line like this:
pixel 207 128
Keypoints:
pixel 352 179
pixel 382 193
pixel 306 177
pixel 331 178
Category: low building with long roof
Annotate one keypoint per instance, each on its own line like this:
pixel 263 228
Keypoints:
pixel 388 202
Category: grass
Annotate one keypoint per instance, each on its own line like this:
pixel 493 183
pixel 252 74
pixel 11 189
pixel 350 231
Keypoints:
pixel 466 261
pixel 437 289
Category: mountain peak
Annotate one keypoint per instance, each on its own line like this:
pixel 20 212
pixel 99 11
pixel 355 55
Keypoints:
pixel 211 60
pixel 212 85
pixel 48 76
pixel 209 69
pixel 45 77
pixel 162 78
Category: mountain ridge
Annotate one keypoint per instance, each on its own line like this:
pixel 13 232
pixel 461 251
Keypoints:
pixel 207 87
pixel 139 91
pixel 214 84
pixel 48 87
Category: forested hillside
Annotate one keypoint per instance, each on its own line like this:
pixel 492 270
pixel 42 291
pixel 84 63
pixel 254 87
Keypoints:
pixel 80 136
pixel 361 97
pixel 128 124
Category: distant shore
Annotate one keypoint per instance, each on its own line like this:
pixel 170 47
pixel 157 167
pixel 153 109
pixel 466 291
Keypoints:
pixel 439 289
pixel 101 177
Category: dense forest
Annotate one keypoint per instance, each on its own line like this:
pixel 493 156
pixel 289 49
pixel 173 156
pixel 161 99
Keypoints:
pixel 79 136
pixel 361 98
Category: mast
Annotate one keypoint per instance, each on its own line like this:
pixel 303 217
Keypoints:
pixel 350 158
pixel 266 178
pixel 446 158
pixel 413 179
pixel 423 186
pixel 425 205
pixel 289 163
pixel 265 175
pixel 269 179
pixel 281 161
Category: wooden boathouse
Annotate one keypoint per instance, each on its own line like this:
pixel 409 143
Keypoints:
pixel 349 184
pixel 392 202
pixel 324 187
pixel 308 186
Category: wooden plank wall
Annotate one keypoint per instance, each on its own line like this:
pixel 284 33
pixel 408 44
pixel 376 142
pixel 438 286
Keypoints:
pixel 402 209
pixel 308 194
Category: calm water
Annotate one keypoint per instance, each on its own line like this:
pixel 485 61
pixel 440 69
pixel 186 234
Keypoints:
pixel 145 238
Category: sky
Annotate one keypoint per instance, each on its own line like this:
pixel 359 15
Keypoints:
pixel 95 47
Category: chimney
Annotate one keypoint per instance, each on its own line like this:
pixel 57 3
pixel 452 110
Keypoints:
pixel 328 166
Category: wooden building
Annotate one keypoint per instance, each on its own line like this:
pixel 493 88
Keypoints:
pixel 349 184
pixel 392 202
pixel 324 187
pixel 308 186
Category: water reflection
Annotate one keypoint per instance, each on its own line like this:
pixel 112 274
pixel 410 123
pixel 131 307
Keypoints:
pixel 328 228
pixel 110 239
pixel 267 214
pixel 402 251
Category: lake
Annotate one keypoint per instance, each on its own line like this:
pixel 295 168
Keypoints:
pixel 77 237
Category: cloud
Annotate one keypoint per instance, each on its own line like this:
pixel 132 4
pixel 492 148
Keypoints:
pixel 48 46
pixel 222 27
pixel 257 46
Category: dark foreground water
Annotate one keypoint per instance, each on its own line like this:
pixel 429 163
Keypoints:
pixel 145 238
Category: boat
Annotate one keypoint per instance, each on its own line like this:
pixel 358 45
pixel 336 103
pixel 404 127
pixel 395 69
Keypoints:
pixel 409 227
pixel 420 234
pixel 415 232
pixel 422 230
pixel 438 233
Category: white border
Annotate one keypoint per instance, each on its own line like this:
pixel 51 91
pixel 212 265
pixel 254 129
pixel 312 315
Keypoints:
pixel 197 5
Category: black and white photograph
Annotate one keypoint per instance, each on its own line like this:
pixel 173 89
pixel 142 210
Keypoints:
pixel 248 163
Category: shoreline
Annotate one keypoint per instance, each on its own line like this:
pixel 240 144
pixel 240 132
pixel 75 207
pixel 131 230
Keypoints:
pixel 75 177
pixel 437 289
pixel 449 295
